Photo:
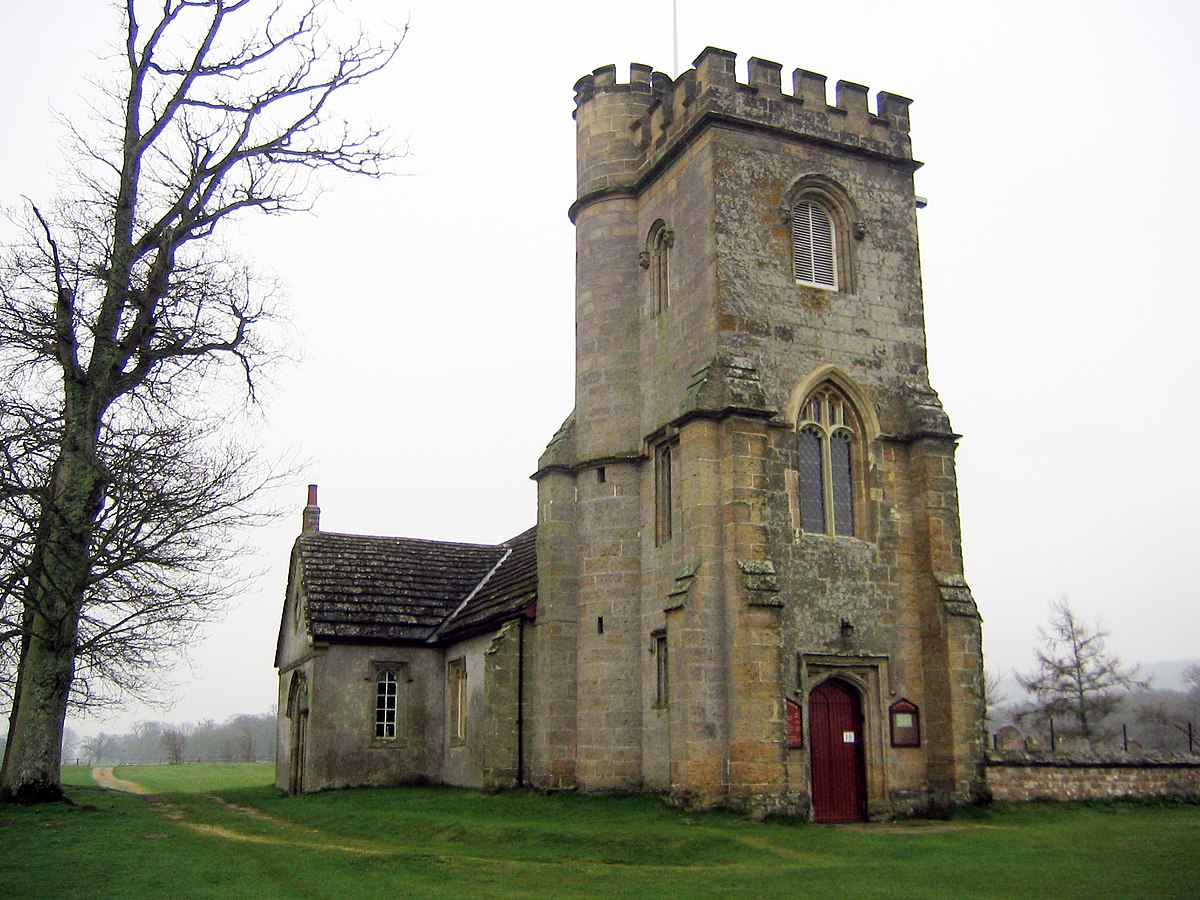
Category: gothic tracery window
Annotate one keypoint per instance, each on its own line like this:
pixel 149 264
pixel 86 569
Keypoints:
pixel 827 432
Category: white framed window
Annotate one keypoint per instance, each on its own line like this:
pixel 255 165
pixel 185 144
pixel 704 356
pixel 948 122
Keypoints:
pixel 827 443
pixel 387 697
pixel 814 246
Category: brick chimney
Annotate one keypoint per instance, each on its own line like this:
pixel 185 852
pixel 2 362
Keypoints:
pixel 312 513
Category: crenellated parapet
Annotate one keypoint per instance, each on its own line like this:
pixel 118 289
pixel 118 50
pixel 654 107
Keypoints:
pixel 627 129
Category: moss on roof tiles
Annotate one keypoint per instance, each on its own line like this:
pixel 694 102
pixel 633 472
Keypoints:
pixel 383 589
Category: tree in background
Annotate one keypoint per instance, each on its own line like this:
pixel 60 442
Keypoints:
pixel 97 748
pixel 1191 680
pixel 1171 719
pixel 241 738
pixel 174 741
pixel 995 699
pixel 1076 680
pixel 70 743
pixel 120 309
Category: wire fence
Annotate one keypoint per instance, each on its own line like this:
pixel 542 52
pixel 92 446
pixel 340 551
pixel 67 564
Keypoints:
pixel 1054 740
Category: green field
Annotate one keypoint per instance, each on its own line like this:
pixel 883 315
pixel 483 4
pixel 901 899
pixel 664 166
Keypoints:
pixel 206 837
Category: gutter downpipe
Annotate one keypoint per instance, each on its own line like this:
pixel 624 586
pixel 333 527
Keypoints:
pixel 521 701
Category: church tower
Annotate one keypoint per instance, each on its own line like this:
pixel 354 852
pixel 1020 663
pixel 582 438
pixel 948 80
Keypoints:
pixel 750 585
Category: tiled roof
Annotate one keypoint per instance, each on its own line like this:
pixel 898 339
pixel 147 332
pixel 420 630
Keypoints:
pixel 509 591
pixel 382 589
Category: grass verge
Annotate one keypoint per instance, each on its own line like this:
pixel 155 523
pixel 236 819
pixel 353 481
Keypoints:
pixel 252 841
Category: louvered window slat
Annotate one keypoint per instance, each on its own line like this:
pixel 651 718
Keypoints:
pixel 814 260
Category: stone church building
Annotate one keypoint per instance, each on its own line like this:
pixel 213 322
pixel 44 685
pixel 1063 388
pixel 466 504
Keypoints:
pixel 745 583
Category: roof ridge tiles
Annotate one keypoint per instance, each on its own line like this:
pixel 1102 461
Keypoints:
pixel 317 535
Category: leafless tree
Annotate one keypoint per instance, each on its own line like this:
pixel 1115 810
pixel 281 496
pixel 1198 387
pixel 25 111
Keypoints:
pixel 994 697
pixel 244 728
pixel 1191 679
pixel 1076 679
pixel 160 551
pixel 1172 718
pixel 98 747
pixel 120 307
pixel 70 742
pixel 174 741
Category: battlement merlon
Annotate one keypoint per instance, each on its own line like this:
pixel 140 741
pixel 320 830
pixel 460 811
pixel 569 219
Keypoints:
pixel 661 111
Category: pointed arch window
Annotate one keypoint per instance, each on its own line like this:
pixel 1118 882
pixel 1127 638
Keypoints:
pixel 827 442
pixel 814 245
pixel 298 696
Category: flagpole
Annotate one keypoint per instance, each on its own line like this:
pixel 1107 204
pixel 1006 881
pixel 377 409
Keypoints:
pixel 675 38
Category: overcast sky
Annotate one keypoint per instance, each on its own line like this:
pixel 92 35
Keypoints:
pixel 433 313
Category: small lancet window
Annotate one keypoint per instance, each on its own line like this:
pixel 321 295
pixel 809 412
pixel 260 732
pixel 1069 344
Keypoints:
pixel 657 259
pixel 386 694
pixel 662 684
pixel 826 444
pixel 814 246
pixel 664 500
pixel 456 672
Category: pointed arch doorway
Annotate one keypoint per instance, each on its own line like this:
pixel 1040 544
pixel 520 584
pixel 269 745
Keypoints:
pixel 298 712
pixel 839 790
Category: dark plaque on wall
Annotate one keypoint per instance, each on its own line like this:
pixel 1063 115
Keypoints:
pixel 906 724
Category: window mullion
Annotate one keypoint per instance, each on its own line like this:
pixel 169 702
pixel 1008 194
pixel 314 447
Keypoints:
pixel 827 481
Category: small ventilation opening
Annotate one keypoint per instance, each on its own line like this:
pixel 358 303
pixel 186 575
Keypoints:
pixel 599 624
pixel 600 475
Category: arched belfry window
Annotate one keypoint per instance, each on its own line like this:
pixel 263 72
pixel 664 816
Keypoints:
pixel 828 443
pixel 814 245
pixel 826 226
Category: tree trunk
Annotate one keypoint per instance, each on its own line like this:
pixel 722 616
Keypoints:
pixel 33 760
pixel 56 583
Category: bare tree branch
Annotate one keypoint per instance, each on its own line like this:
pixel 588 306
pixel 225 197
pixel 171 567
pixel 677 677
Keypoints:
pixel 1076 679
pixel 121 308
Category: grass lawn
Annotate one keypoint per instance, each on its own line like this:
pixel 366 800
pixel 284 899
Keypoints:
pixel 77 775
pixel 223 841
pixel 194 778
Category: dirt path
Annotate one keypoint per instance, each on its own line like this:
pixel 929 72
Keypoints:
pixel 103 776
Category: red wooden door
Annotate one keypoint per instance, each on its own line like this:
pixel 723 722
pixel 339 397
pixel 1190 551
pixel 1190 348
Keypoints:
pixel 835 727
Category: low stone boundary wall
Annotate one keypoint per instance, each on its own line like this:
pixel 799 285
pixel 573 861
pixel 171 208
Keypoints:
pixel 1018 776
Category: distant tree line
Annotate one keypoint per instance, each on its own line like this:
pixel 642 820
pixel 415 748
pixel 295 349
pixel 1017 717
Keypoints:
pixel 241 738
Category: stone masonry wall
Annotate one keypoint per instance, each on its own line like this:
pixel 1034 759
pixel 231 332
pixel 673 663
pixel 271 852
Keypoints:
pixel 717 367
pixel 1019 777
pixel 501 708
